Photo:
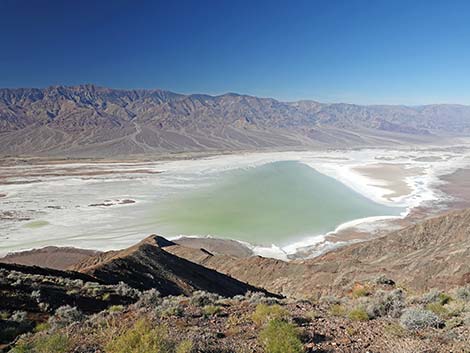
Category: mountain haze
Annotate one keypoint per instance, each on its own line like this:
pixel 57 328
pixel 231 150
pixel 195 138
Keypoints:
pixel 88 120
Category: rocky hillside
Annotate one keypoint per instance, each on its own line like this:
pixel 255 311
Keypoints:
pixel 94 121
pixel 147 265
pixel 376 317
pixel 406 292
pixel 431 254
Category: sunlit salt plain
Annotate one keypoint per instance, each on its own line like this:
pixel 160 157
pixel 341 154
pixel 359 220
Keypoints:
pixel 113 205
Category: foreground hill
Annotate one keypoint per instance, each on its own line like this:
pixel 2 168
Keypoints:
pixel 94 121
pixel 406 292
pixel 147 265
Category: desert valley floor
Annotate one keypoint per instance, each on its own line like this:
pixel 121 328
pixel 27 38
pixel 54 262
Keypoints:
pixel 341 196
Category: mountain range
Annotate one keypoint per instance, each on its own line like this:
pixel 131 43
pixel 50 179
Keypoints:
pixel 88 120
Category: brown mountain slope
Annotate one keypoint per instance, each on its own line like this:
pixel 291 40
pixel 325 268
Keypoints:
pixel 147 265
pixel 58 258
pixel 435 253
pixel 95 121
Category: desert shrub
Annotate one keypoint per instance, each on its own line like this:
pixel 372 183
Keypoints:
pixel 52 343
pixel 93 289
pixel 358 314
pixel 395 330
pixel 124 290
pixel 185 346
pixel 4 315
pixel 45 307
pixel 338 310
pixel 383 280
pixel 170 306
pixel 445 298
pixel 280 337
pixel 431 297
pixel 115 308
pixel 454 322
pixel 106 296
pixel 455 308
pixel 264 313
pixel 260 298
pixel 65 315
pixel 386 304
pixel 55 343
pixel 330 300
pixel 142 338
pixel 148 299
pixel 359 292
pixel 239 298
pixel 463 293
pixel 414 319
pixel 43 326
pixel 73 292
pixel 438 309
pixel 19 316
pixel 36 295
pixel 466 319
pixel 211 310
pixel 436 296
pixel 202 298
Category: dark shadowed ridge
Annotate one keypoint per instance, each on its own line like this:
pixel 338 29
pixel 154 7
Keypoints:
pixel 147 265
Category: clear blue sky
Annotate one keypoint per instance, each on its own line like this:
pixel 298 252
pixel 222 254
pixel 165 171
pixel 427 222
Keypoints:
pixel 376 51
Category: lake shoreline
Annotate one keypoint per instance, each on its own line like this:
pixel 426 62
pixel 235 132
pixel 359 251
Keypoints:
pixel 331 163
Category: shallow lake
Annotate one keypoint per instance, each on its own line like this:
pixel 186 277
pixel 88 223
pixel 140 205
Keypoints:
pixel 276 203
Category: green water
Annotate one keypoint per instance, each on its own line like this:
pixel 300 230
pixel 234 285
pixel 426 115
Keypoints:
pixel 36 224
pixel 276 203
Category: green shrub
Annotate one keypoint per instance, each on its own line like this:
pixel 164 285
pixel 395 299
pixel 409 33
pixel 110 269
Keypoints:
pixel 280 337
pixel 358 314
pixel 436 296
pixel 22 347
pixel 264 313
pixel 395 330
pixel 4 315
pixel 360 292
pixel 142 338
pixel 55 343
pixel 43 326
pixel 445 298
pixel 211 310
pixel 438 309
pixel 185 346
pixel 338 310
pixel 453 323
pixel 116 308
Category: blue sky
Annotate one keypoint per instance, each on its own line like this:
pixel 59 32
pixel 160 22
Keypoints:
pixel 358 51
